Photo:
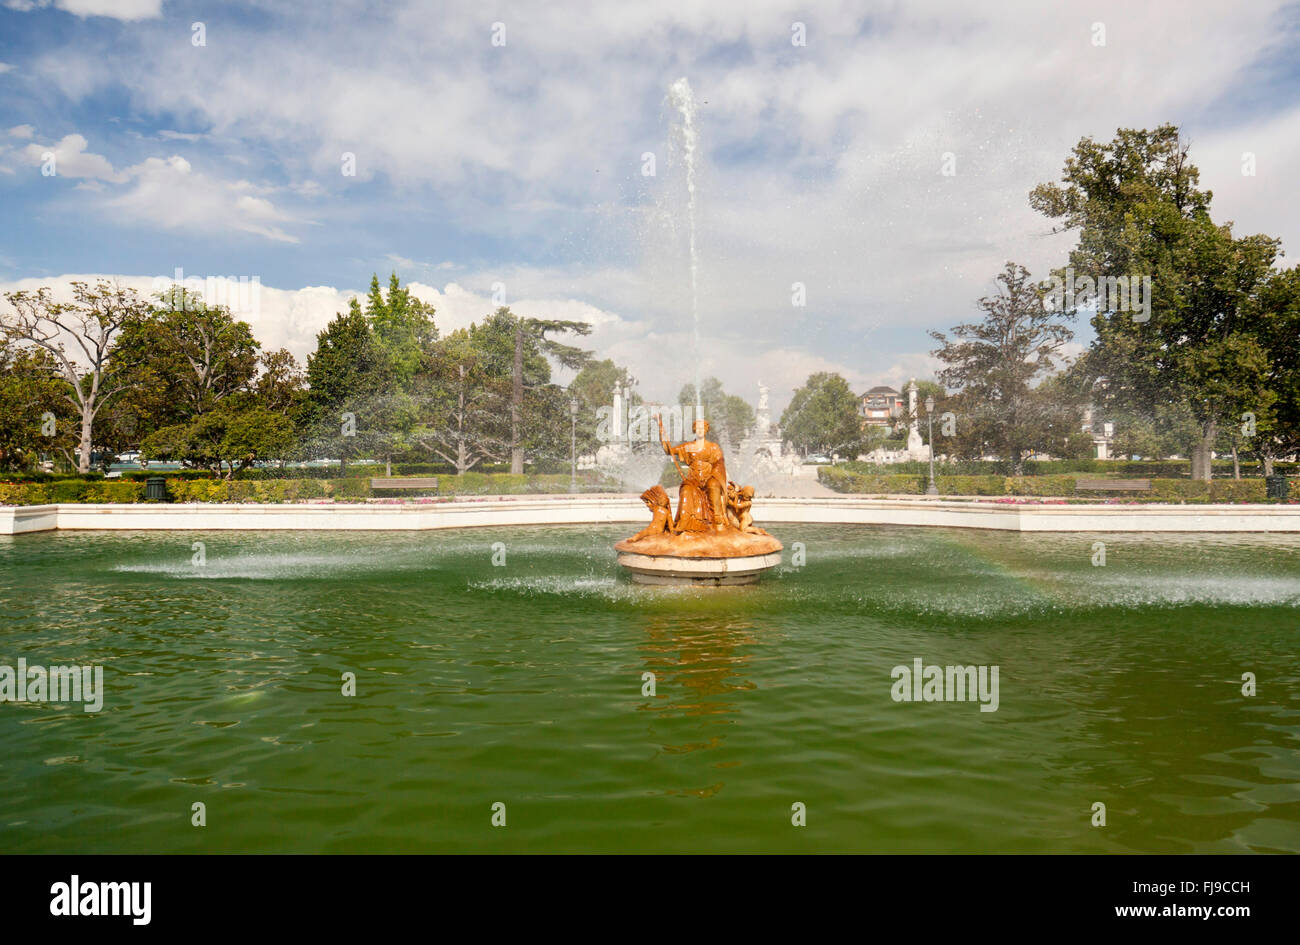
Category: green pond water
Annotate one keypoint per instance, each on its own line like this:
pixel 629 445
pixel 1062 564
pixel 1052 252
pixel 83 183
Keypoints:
pixel 523 684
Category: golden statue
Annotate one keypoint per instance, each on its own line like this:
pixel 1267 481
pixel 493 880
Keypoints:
pixel 707 482
pixel 714 518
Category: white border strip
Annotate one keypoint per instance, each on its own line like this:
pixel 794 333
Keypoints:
pixel 607 509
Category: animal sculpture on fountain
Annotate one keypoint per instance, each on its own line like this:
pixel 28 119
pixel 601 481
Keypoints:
pixel 661 514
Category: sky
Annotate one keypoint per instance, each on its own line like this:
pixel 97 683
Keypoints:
pixel 498 151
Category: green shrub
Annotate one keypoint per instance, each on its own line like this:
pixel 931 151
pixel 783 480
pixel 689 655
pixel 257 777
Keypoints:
pixel 1040 485
pixel 348 488
pixel 1238 490
pixel 970 485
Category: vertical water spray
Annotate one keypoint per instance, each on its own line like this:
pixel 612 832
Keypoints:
pixel 683 99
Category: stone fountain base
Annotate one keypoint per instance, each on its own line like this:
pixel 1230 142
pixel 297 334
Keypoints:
pixel 710 559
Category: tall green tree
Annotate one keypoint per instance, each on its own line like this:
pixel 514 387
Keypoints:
pixel 823 417
pixel 31 395
pixel 402 326
pixel 464 416
pixel 1139 213
pixel 1278 423
pixel 531 338
pixel 344 373
pixel 994 364
pixel 182 362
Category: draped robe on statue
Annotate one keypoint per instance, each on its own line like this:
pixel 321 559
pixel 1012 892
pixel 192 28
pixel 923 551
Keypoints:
pixel 703 497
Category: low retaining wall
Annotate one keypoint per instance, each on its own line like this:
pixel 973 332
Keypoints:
pixel 608 509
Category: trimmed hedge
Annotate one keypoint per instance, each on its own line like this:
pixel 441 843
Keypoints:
pixel 70 490
pixel 1146 469
pixel 1179 490
pixel 50 477
pixel 208 489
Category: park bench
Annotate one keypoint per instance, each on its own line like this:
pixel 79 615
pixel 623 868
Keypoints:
pixel 405 482
pixel 1112 485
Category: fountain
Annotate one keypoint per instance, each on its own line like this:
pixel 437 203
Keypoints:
pixel 712 540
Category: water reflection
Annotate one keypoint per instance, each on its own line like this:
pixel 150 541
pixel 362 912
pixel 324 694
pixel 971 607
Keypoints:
pixel 698 666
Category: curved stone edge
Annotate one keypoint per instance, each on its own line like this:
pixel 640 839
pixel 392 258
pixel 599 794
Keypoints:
pixel 670 569
pixel 729 545
pixel 625 509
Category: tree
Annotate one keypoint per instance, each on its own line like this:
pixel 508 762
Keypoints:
pixel 532 333
pixel 344 374
pixel 78 336
pixel 31 393
pixel 181 362
pixel 1278 427
pixel 730 417
pixel 823 417
pixel 403 329
pixel 281 385
pixel 993 364
pixel 464 420
pixel 230 437
pixel 1140 216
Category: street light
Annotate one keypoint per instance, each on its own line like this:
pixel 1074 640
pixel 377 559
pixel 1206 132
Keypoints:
pixel 573 444
pixel 929 419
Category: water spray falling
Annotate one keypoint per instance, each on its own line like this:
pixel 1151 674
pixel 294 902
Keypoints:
pixel 683 99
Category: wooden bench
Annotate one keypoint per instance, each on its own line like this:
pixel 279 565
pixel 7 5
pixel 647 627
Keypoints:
pixel 406 482
pixel 1112 485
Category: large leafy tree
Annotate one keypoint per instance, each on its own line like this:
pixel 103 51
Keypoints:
pixel 823 417
pixel 182 362
pixel 347 375
pixel 30 393
pixel 533 336
pixel 1138 211
pixel 364 375
pixel 204 391
pixel 403 329
pixel 1278 426
pixel 994 365
pixel 464 416
pixel 78 337
pixel 231 436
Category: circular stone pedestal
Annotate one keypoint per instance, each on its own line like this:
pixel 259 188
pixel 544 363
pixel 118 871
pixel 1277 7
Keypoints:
pixel 712 572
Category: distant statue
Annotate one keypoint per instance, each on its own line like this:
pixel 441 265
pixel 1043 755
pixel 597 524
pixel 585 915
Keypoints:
pixel 661 514
pixel 762 422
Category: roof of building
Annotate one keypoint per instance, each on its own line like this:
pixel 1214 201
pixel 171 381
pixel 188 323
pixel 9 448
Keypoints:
pixel 881 390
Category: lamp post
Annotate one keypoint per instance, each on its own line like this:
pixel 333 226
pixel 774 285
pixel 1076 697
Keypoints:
pixel 573 444
pixel 929 419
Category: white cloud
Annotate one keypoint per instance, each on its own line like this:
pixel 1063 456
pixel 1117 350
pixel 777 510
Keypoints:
pixel 5 67
pixel 128 10
pixel 821 163
pixel 169 193
pixel 164 192
pixel 71 159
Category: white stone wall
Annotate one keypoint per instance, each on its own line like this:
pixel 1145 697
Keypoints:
pixel 609 509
